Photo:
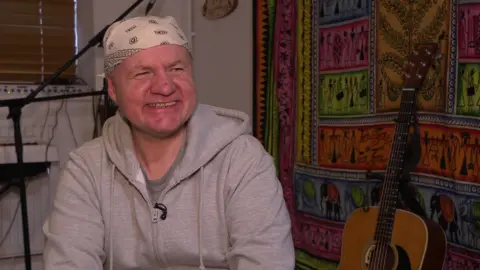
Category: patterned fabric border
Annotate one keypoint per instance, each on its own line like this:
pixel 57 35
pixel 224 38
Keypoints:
pixel 285 78
pixel 260 65
pixel 373 42
pixel 420 178
pixel 452 73
pixel 314 116
pixel 423 118
pixel 304 81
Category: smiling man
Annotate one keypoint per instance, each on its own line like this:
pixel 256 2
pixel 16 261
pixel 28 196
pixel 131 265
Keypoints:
pixel 171 184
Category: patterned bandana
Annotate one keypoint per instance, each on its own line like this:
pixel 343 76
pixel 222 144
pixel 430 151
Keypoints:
pixel 127 37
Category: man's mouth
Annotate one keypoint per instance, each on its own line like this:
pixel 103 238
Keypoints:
pixel 161 105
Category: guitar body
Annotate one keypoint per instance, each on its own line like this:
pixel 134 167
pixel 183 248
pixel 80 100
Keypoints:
pixel 418 243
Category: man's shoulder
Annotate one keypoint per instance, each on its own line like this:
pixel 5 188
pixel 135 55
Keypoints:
pixel 247 140
pixel 92 148
pixel 247 146
pixel 216 113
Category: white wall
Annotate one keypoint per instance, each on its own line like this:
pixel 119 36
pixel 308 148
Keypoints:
pixel 223 49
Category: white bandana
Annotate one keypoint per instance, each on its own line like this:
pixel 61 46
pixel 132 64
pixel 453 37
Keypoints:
pixel 125 38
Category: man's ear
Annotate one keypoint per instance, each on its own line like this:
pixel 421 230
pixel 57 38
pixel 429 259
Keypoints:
pixel 111 90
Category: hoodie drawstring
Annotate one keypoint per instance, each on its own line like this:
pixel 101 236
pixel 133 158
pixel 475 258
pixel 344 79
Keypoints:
pixel 200 206
pixel 110 226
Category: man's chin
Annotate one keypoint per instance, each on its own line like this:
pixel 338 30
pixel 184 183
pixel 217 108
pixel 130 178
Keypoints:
pixel 164 133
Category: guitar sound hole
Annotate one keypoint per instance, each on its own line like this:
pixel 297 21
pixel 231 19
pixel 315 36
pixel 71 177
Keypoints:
pixel 395 259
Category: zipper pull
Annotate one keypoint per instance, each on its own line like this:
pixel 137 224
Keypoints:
pixel 155 215
pixel 159 212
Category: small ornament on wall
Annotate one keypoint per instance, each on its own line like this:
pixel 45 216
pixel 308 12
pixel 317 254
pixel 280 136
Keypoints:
pixel 217 9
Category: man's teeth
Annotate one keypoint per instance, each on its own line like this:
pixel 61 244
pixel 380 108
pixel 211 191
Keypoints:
pixel 162 105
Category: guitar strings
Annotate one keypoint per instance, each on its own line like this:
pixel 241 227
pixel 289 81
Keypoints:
pixel 401 129
pixel 380 252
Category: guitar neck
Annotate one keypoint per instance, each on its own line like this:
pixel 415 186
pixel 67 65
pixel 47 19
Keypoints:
pixel 394 171
pixel 416 70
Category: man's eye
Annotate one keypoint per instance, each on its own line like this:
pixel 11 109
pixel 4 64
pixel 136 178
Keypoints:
pixel 177 69
pixel 141 73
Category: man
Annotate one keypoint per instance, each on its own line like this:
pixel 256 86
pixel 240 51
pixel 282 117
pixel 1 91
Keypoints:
pixel 170 184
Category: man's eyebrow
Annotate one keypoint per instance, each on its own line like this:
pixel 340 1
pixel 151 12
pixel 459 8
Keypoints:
pixel 138 66
pixel 131 71
pixel 174 63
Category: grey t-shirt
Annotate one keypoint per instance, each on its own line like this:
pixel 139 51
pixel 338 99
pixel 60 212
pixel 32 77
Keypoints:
pixel 156 186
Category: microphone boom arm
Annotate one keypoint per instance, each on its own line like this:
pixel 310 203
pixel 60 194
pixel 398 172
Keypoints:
pixel 150 5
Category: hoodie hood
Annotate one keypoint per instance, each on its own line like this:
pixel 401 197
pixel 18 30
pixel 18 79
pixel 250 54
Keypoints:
pixel 209 130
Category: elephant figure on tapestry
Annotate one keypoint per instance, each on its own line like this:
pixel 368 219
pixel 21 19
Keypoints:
pixel 330 196
pixel 355 197
pixel 470 222
pixel 308 194
pixel 443 209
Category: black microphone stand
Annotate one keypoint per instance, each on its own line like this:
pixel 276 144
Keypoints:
pixel 20 171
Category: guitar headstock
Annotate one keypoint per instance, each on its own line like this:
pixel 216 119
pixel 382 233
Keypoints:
pixel 419 63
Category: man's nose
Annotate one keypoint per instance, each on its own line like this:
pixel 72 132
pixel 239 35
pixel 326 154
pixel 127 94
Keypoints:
pixel 162 84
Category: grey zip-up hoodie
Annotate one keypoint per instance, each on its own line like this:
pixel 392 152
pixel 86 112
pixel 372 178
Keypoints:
pixel 225 206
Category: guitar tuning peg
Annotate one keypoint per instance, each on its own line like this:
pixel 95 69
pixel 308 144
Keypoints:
pixel 415 52
pixel 428 52
pixel 419 76
pixel 438 56
pixel 406 75
pixel 411 64
pixel 423 64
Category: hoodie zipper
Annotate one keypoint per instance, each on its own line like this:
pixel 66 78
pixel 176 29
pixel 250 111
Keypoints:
pixel 151 208
pixel 158 255
pixel 153 222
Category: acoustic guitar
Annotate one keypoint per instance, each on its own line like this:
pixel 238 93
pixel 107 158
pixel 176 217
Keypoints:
pixel 386 237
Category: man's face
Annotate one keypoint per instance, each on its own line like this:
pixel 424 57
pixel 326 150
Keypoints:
pixel 154 89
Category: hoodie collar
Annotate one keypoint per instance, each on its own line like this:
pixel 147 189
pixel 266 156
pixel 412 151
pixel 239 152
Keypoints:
pixel 209 130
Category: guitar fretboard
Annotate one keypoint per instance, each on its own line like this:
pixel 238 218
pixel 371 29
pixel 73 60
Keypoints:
pixel 393 175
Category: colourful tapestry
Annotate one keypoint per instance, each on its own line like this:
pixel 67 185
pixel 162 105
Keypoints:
pixel 328 86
